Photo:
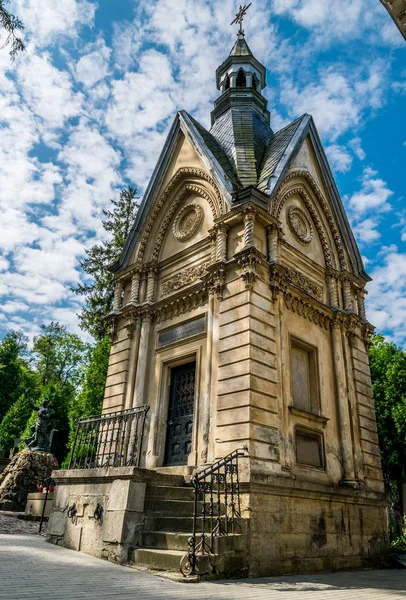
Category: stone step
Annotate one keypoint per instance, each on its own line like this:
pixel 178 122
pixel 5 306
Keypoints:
pixel 168 540
pixel 164 492
pixel 167 479
pixel 164 560
pixel 175 523
pixel 181 508
pixel 182 470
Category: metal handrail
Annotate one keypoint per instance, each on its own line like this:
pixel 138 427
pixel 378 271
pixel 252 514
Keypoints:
pixel 217 489
pixel 109 440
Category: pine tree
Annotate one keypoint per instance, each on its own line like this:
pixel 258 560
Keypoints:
pixel 99 292
pixel 10 24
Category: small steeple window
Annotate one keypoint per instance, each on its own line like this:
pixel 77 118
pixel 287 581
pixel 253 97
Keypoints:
pixel 241 79
pixel 227 83
pixel 255 82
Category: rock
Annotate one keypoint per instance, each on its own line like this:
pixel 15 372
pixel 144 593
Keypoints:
pixel 23 476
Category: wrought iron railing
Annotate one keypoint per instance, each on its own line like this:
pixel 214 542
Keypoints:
pixel 217 508
pixel 110 440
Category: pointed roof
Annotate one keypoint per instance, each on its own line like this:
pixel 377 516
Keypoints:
pixel 240 47
pixel 243 134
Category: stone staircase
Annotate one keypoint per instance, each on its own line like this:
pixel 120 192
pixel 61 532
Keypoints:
pixel 168 525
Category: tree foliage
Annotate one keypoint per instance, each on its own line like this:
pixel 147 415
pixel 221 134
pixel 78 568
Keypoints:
pixel 388 372
pixel 10 25
pixel 99 291
pixel 14 423
pixel 58 355
pixel 15 371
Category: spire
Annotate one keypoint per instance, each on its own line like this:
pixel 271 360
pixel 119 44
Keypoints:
pixel 240 47
pixel 240 119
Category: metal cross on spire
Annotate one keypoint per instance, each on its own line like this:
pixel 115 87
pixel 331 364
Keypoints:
pixel 239 17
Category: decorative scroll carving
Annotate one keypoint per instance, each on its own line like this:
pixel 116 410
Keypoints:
pixel 277 283
pixel 182 305
pixel 215 279
pixel 304 283
pixel 216 206
pixel 300 225
pixel 248 259
pixel 307 310
pixel 187 221
pixel 183 279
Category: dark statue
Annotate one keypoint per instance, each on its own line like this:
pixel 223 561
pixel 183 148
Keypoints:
pixel 40 438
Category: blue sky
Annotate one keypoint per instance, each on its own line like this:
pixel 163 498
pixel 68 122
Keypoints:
pixel 86 109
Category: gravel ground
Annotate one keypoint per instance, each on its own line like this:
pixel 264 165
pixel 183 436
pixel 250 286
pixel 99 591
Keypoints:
pixel 9 523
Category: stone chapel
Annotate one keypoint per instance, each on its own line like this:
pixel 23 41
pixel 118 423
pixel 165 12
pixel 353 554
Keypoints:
pixel 239 323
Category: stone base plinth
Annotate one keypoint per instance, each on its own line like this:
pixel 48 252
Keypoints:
pixel 298 529
pixel 119 491
pixel 35 504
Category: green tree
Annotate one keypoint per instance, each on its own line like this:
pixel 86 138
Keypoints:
pixel 98 291
pixel 90 398
pixel 14 423
pixel 59 356
pixel 10 25
pixel 15 373
pixel 388 372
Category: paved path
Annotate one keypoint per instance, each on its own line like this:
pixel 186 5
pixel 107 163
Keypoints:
pixel 31 569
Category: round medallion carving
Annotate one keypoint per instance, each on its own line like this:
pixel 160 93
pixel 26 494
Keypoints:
pixel 300 224
pixel 187 221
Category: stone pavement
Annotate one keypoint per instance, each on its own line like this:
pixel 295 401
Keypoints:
pixel 9 523
pixel 31 569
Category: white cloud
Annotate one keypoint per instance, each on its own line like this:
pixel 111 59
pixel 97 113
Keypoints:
pixel 46 21
pixel 366 231
pixel 94 66
pixel 355 145
pixel 374 194
pixel 386 301
pixel 340 159
pixel 339 100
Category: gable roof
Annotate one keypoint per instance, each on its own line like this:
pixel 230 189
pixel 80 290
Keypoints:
pixel 240 151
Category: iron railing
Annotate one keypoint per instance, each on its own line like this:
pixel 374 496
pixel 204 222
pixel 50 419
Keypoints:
pixel 110 440
pixel 216 508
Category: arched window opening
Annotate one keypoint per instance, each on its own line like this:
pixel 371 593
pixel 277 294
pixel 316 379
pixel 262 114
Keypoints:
pixel 241 80
pixel 227 83
pixel 255 82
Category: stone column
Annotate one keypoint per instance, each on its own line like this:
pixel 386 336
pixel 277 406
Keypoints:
pixel 213 246
pixel 343 406
pixel 273 244
pixel 135 287
pixel 233 80
pixel 332 291
pixel 222 242
pixel 208 378
pixel 249 227
pixel 142 359
pixel 361 304
pixel 152 271
pixel 248 78
pixel 347 295
pixel 118 292
pixel 133 360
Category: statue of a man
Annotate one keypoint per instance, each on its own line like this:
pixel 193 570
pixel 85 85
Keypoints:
pixel 40 439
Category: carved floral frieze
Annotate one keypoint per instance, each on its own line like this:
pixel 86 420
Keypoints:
pixel 182 279
pixel 306 284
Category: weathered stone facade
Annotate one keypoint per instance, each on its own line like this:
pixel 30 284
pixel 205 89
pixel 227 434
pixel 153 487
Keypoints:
pixel 242 264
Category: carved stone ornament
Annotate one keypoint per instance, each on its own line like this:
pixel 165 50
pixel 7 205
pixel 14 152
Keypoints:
pixel 300 225
pixel 187 221
pixel 304 283
pixel 184 278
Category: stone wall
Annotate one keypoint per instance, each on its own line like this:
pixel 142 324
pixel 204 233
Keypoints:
pixel 120 492
pixel 302 531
